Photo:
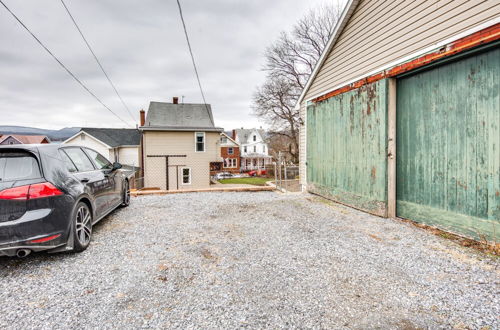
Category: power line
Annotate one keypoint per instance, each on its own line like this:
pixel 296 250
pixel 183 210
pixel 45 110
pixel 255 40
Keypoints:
pixel 97 60
pixel 192 56
pixel 61 64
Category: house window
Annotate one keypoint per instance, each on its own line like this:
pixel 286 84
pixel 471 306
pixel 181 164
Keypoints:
pixel 223 139
pixel 245 149
pixel 255 138
pixel 230 151
pixel 254 148
pixel 186 175
pixel 200 141
pixel 230 163
pixel 264 149
pixel 83 137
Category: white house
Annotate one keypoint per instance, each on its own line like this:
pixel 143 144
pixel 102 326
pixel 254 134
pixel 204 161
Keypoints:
pixel 254 150
pixel 116 144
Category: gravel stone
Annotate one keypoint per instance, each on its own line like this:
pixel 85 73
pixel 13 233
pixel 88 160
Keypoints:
pixel 252 260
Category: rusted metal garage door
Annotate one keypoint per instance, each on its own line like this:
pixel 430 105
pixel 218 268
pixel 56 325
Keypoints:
pixel 448 146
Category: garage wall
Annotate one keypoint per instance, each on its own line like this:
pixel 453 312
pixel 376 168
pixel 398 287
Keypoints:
pixel 129 155
pixel 347 148
pixel 381 32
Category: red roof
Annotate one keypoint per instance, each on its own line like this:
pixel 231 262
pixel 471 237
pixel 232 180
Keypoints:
pixel 27 139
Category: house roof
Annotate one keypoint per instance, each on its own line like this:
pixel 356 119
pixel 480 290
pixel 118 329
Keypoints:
pixel 180 117
pixel 115 137
pixel 243 134
pixel 26 139
pixel 342 22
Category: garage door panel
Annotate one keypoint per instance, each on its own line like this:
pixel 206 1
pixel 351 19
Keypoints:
pixel 347 148
pixel 447 145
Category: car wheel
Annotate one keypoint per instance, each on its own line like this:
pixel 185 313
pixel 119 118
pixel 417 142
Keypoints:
pixel 126 194
pixel 82 227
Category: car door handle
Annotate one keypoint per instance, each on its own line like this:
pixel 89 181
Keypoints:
pixel 84 180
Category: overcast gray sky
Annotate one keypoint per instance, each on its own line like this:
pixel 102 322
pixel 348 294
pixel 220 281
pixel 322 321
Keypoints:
pixel 142 46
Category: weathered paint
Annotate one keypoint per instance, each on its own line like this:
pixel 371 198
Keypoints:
pixel 479 38
pixel 347 148
pixel 448 146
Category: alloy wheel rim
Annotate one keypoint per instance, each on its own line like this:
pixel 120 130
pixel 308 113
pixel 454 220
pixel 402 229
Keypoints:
pixel 83 225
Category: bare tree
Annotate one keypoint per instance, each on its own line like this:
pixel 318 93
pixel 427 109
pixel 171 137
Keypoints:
pixel 290 60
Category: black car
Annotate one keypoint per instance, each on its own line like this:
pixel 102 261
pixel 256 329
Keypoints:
pixel 52 195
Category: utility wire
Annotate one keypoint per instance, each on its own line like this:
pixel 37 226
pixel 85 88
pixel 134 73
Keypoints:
pixel 192 56
pixel 61 64
pixel 97 60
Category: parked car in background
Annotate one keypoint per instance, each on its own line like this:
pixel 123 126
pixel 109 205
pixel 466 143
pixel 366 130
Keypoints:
pixel 257 172
pixel 52 195
pixel 223 175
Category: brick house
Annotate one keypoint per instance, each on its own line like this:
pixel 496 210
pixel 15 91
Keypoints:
pixel 230 153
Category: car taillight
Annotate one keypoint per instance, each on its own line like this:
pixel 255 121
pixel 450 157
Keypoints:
pixel 17 193
pixel 41 190
pixel 33 191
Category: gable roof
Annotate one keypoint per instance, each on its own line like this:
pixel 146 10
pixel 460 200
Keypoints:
pixel 114 137
pixel 26 139
pixel 229 138
pixel 180 117
pixel 243 134
pixel 342 22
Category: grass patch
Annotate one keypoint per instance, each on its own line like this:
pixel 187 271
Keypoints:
pixel 253 181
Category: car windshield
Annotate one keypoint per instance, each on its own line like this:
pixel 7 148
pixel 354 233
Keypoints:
pixel 18 166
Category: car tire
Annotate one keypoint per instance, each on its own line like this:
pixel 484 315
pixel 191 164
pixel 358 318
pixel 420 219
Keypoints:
pixel 126 194
pixel 82 227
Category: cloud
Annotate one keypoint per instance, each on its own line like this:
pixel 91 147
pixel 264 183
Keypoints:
pixel 142 47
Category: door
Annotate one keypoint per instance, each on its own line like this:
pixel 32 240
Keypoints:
pixel 112 183
pixel 448 140
pixel 90 176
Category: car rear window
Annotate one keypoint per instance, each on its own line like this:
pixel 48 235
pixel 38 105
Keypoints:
pixel 18 166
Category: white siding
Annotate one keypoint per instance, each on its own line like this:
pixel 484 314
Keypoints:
pixel 128 155
pixel 90 142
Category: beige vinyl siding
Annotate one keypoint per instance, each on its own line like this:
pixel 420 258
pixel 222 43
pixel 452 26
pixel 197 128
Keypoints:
pixel 302 146
pixel 179 143
pixel 381 32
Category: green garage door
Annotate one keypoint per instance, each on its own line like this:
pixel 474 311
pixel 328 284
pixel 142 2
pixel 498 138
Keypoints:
pixel 448 146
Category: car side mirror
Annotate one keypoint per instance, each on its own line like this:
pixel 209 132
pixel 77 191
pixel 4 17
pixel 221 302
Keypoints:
pixel 116 166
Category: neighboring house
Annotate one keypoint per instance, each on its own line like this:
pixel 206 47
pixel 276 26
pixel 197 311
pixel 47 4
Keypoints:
pixel 117 144
pixel 23 139
pixel 418 96
pixel 230 153
pixel 254 150
pixel 179 143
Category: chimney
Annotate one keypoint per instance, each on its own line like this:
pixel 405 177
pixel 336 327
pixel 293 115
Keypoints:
pixel 143 117
pixel 234 134
pixel 176 100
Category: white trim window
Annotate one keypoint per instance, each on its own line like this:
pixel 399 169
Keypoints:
pixel 230 163
pixel 230 151
pixel 186 175
pixel 199 141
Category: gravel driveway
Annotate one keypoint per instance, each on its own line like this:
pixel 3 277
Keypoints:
pixel 255 260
